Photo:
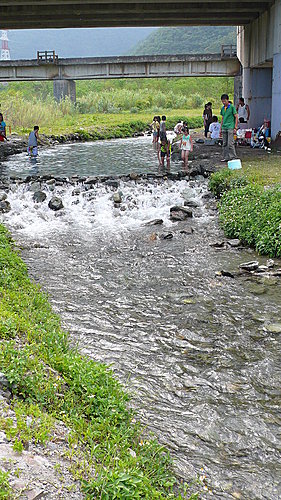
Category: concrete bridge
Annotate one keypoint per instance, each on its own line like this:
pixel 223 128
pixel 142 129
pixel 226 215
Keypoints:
pixel 259 33
pixel 64 72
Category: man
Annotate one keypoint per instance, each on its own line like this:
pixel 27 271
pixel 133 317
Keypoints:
pixel 33 142
pixel 243 111
pixel 229 125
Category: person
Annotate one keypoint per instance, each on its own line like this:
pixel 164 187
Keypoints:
pixel 214 129
pixel 207 117
pixel 163 133
pixel 186 146
pixel 243 111
pixel 32 148
pixel 165 151
pixel 229 125
pixel 2 129
pixel 178 127
pixel 155 126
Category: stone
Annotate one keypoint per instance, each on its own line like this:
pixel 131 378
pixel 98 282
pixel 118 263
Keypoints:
pixel 216 244
pixel 3 196
pixel 76 192
pixel 117 198
pixel 168 236
pixel 154 222
pixel 35 186
pixel 90 180
pixel 178 213
pixel 274 327
pixel 50 182
pixel 134 176
pixel 187 231
pixel 270 263
pixel 262 269
pixel 234 243
pixel 227 274
pixel 4 382
pixel 250 266
pixel 191 203
pixel 5 206
pixel 55 203
pixel 112 183
pixel 39 196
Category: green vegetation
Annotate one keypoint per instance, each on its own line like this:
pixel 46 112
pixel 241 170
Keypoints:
pixel 107 103
pixel 250 204
pixel 187 40
pixel 50 380
pixel 5 488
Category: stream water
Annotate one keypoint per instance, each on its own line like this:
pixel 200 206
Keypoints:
pixel 197 350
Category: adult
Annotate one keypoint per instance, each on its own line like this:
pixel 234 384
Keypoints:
pixel 178 127
pixel 207 117
pixel 243 111
pixel 32 148
pixel 229 125
pixel 214 129
pixel 163 134
pixel 2 129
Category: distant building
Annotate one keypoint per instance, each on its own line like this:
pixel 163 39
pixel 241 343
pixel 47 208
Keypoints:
pixel 5 51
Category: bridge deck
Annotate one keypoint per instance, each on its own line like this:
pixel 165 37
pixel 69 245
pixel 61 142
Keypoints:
pixel 19 14
pixel 120 67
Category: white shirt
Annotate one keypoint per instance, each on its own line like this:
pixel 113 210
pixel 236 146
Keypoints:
pixel 215 130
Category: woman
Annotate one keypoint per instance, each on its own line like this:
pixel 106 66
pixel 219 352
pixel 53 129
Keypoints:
pixel 2 129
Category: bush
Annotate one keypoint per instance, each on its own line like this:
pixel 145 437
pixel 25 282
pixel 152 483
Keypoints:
pixel 253 215
pixel 224 180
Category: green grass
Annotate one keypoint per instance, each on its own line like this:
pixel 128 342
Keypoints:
pixel 51 381
pixel 5 488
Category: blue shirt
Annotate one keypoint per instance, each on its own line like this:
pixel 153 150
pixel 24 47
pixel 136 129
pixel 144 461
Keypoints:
pixel 2 126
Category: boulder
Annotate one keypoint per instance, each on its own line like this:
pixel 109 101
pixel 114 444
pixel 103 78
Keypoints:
pixel 55 203
pixel 39 196
pixel 180 213
pixel 154 222
pixel 5 206
pixel 249 266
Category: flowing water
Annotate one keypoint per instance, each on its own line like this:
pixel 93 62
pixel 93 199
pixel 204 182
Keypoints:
pixel 197 350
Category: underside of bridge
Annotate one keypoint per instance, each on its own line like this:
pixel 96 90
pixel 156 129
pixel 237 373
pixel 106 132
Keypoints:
pixel 23 14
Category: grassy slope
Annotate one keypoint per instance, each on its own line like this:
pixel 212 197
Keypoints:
pixel 51 380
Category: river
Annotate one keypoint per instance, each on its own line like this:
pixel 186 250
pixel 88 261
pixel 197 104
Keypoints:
pixel 194 348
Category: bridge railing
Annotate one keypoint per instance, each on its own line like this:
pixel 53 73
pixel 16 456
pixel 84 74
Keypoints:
pixel 47 57
pixel 228 51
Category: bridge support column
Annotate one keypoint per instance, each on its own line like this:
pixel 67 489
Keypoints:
pixel 257 90
pixel 276 96
pixel 63 88
pixel 237 89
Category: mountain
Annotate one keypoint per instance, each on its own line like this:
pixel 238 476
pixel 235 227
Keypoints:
pixel 188 40
pixel 88 42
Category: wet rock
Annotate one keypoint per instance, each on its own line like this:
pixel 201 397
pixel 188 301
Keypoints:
pixel 191 203
pixel 249 266
pixel 5 206
pixel 55 203
pixel 207 196
pixel 270 263
pixel 228 274
pixel 3 196
pixel 188 194
pixel 262 269
pixel 154 222
pixel 133 176
pixel 178 213
pixel 217 244
pixel 50 182
pixel 234 243
pixel 112 183
pixel 276 273
pixel 168 236
pixel 35 186
pixel 187 231
pixel 39 196
pixel 90 180
pixel 273 328
pixel 76 192
pixel 117 198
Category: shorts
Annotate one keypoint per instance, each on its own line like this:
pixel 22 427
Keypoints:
pixel 2 138
pixel 155 134
pixel 32 150
pixel 163 154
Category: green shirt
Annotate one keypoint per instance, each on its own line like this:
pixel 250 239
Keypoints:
pixel 228 115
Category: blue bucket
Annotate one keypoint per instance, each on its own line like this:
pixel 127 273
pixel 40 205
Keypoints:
pixel 234 164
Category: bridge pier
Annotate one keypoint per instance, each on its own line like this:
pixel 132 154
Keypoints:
pixel 276 94
pixel 63 88
pixel 257 90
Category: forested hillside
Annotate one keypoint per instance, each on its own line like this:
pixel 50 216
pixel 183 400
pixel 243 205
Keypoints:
pixel 189 40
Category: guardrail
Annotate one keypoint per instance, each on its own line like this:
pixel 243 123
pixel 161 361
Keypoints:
pixel 228 51
pixel 47 57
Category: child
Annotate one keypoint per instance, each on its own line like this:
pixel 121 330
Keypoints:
pixel 32 148
pixel 2 129
pixel 165 150
pixel 186 145
pixel 163 134
pixel 155 129
pixel 214 130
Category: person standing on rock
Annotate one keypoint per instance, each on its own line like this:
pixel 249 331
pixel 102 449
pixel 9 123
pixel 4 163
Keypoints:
pixel 32 148
pixel 2 129
pixel 229 125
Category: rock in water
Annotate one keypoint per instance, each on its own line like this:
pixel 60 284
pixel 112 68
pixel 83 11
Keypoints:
pixel 234 243
pixel 5 206
pixel 134 176
pixel 55 203
pixel 249 266
pixel 180 213
pixel 3 196
pixel 117 198
pixel 39 196
pixel 154 222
